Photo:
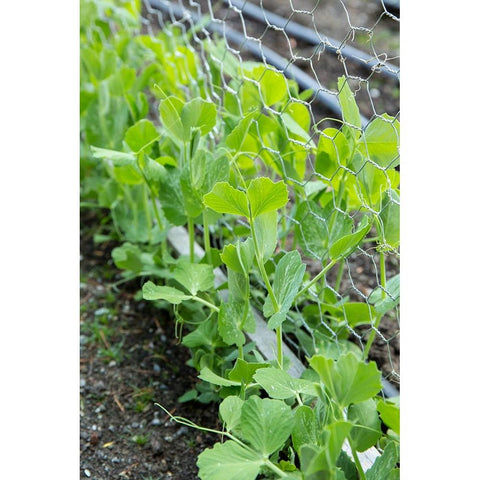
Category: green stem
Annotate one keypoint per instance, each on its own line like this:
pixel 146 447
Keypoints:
pixel 361 473
pixel 206 237
pixel 315 279
pixel 191 237
pixel 275 469
pixel 338 282
pixel 206 303
pixel 279 347
pixel 378 319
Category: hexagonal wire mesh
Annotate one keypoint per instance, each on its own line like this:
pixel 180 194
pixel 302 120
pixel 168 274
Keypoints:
pixel 315 43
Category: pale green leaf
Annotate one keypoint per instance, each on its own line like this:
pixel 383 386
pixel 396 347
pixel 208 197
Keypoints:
pixel 229 461
pixel 118 159
pixel 198 113
pixel 230 412
pixel 141 135
pixel 265 196
pixel 195 277
pixel 266 424
pixel 225 199
pixel 239 256
pixel 156 292
pixel 280 385
pixel 346 245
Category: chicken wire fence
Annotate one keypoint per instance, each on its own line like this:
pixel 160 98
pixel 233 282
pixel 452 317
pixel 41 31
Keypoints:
pixel 314 43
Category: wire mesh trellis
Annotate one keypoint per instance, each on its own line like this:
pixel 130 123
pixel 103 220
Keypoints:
pixel 313 43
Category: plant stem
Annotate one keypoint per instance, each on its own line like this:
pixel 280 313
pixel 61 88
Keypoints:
pixel 279 347
pixel 275 469
pixel 361 473
pixel 206 237
pixel 338 282
pixel 315 279
pixel 191 236
pixel 378 319
pixel 206 303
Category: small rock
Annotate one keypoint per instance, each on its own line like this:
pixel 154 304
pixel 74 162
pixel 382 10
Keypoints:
pixel 100 408
pixel 156 368
pixel 156 422
pixel 101 311
pixel 87 472
pixel 113 363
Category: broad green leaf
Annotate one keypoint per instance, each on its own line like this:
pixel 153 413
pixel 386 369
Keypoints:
pixel 306 430
pixel 225 199
pixel 348 379
pixel 384 465
pixel 128 257
pixel 333 151
pixel 390 413
pixel 128 174
pixel 346 245
pixel 294 127
pixel 239 256
pixel 233 319
pixel 237 286
pixel 205 335
pixel 266 424
pixel 170 111
pixel 390 220
pixel 237 137
pixel 211 377
pixel 367 426
pixel 350 111
pixel 141 135
pixel 230 412
pixel 358 313
pixel 280 385
pixel 118 159
pixel 195 277
pixel 171 197
pixel 170 294
pixel 380 141
pixel 266 230
pixel 288 278
pixel 265 196
pixel 323 458
pixel 244 371
pixel 198 113
pixel 385 300
pixel 229 461
pixel 311 229
pixel 273 85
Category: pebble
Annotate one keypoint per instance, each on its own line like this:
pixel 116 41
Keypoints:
pixel 156 422
pixel 156 368
pixel 87 472
pixel 101 311
pixel 100 408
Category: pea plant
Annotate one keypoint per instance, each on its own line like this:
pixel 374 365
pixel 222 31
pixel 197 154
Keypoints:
pixel 246 161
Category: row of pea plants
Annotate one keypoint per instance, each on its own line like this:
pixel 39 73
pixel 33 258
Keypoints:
pixel 246 155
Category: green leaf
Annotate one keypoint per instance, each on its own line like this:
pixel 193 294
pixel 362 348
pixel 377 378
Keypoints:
pixel 170 294
pixel 265 196
pixel 225 199
pixel 266 230
pixel 280 385
pixel 205 335
pixel 390 413
pixel 118 159
pixel 348 379
pixel 311 231
pixel 236 138
pixel 350 111
pixel 346 245
pixel 307 429
pixel 367 425
pixel 333 151
pixel 229 461
pixel 381 141
pixel 170 110
pixel 390 220
pixel 357 313
pixel 171 197
pixel 386 300
pixel 239 256
pixel 230 412
pixel 244 371
pixel 232 320
pixel 208 376
pixel 384 464
pixel 141 135
pixel 323 458
pixel 195 277
pixel 288 279
pixel 128 257
pixel 198 113
pixel 273 85
pixel 266 424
